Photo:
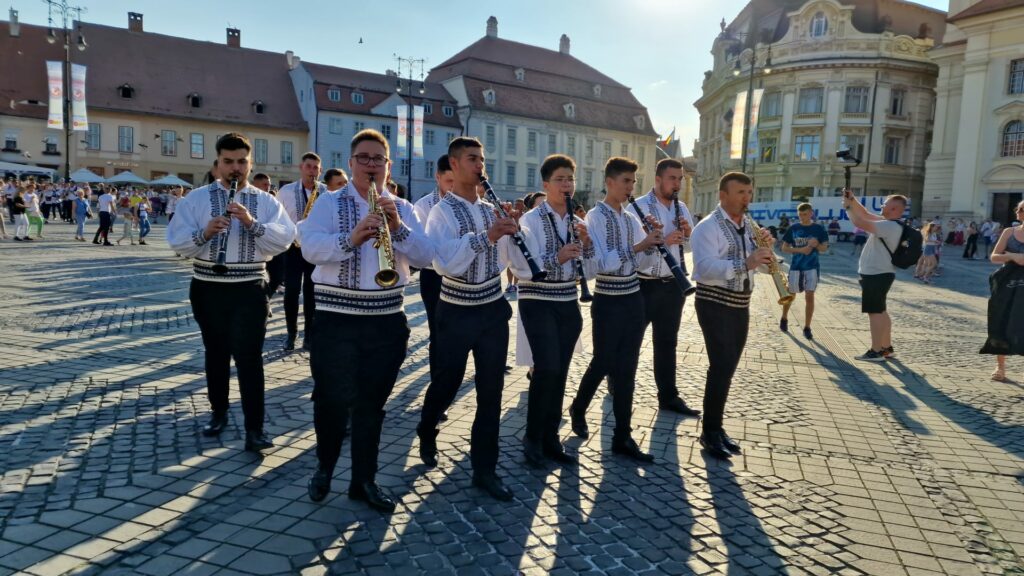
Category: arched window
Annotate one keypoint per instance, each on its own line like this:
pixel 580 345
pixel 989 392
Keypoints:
pixel 1013 139
pixel 819 25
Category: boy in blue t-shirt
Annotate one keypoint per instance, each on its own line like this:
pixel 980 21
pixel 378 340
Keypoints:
pixel 804 241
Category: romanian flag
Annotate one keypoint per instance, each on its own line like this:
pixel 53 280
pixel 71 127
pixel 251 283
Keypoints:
pixel 668 139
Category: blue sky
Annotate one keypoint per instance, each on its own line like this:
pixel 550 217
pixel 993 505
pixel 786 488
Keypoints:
pixel 659 48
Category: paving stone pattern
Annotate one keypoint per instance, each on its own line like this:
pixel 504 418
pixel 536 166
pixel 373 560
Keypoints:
pixel 911 467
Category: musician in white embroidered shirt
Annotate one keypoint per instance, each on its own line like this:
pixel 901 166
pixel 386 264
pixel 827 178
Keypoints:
pixel 231 307
pixel 361 327
pixel 724 259
pixel 663 298
pixel 622 248
pixel 472 315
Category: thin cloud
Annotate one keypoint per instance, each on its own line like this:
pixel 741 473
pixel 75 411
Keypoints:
pixel 658 84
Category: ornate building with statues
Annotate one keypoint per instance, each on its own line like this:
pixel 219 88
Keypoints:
pixel 831 74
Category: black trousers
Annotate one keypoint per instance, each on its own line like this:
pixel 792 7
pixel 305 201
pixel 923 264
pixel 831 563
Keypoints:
pixel 233 320
pixel 663 309
pixel 105 223
pixel 430 291
pixel 618 332
pixel 275 270
pixel 725 334
pixel 552 329
pixel 482 330
pixel 972 246
pixel 355 362
pixel 298 275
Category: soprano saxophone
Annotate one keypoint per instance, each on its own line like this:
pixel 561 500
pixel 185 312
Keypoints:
pixel 778 277
pixel 387 276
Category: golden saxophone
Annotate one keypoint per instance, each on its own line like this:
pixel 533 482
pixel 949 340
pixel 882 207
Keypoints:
pixel 778 277
pixel 387 276
pixel 309 206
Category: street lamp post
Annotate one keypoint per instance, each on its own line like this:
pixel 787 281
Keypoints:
pixel 64 10
pixel 767 69
pixel 407 88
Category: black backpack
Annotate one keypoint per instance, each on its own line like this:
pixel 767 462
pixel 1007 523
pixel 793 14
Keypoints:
pixel 910 248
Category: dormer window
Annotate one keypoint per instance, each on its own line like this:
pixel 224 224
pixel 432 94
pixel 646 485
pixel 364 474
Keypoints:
pixel 259 107
pixel 597 90
pixel 126 91
pixel 490 97
pixel 448 111
pixel 570 110
pixel 819 25
pixel 334 94
pixel 520 75
pixel 641 121
pixel 428 108
pixel 195 100
pixel 357 98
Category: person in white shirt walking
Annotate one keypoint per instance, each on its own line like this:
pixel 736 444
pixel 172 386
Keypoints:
pixel 105 205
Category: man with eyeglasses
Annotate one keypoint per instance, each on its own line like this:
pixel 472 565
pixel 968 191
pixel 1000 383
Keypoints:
pixel 362 332
pixel 298 275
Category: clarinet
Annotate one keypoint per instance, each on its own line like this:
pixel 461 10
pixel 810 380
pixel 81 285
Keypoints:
pixel 570 237
pixel 220 267
pixel 537 274
pixel 670 260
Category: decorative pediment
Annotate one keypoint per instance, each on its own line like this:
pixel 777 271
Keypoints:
pixel 1008 173
pixel 1013 109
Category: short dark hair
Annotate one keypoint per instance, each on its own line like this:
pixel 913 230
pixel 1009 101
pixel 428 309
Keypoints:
pixel 723 182
pixel 531 199
pixel 443 165
pixel 260 176
pixel 554 162
pixel 331 173
pixel 804 207
pixel 371 135
pixel 233 141
pixel 310 156
pixel 456 146
pixel 618 165
pixel 665 164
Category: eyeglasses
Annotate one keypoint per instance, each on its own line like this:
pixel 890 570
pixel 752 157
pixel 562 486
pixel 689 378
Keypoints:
pixel 366 159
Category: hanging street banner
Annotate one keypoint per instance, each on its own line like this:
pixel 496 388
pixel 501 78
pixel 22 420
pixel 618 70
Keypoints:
pixel 417 132
pixel 403 130
pixel 55 82
pixel 755 110
pixel 739 113
pixel 79 120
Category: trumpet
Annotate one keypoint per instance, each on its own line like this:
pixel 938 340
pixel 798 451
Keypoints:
pixel 387 275
pixel 778 278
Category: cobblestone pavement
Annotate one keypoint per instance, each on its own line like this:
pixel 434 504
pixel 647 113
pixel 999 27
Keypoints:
pixel 910 467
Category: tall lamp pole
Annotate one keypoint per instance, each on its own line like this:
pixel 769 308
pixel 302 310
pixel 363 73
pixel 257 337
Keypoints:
pixel 65 12
pixel 736 71
pixel 410 63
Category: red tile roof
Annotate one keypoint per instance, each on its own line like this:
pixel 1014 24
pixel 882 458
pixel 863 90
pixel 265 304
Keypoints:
pixel 986 7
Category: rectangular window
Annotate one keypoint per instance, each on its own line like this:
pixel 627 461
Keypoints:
pixel 552 143
pixel 571 146
pixel 286 152
pixel 892 150
pixel 1016 84
pixel 92 137
pixel 50 145
pixel 531 175
pixel 769 144
pixel 510 141
pixel 337 125
pixel 385 129
pixel 428 137
pixel 801 193
pixel 624 151
pixel 607 152
pixel 810 101
pixel 588 179
pixel 337 160
pixel 451 136
pixel 590 151
pixel 531 143
pixel 856 100
pixel 10 141
pixel 639 182
pixel 197 145
pixel 428 169
pixel 764 194
pixel 855 142
pixel 125 139
pixel 260 152
pixel 405 167
pixel 897 101
pixel 771 105
pixel 808 148
pixel 490 138
pixel 168 143
pixel 510 173
pixel 643 154
pixel 490 169
pixel 358 127
pixel 428 109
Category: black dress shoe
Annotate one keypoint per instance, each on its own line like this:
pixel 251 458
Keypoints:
pixel 307 343
pixel 491 484
pixel 218 421
pixel 712 443
pixel 534 454
pixel 730 444
pixel 557 454
pixel 319 484
pixel 428 447
pixel 678 406
pixel 256 440
pixel 444 417
pixel 289 343
pixel 373 495
pixel 578 420
pixel 629 448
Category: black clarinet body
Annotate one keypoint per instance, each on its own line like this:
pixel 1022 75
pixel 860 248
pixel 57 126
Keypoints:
pixel 537 274
pixel 684 283
pixel 220 266
pixel 570 237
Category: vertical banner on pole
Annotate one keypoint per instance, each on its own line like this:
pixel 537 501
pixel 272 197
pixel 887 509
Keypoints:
pixel 755 108
pixel 739 118
pixel 79 120
pixel 55 81
pixel 403 134
pixel 417 132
